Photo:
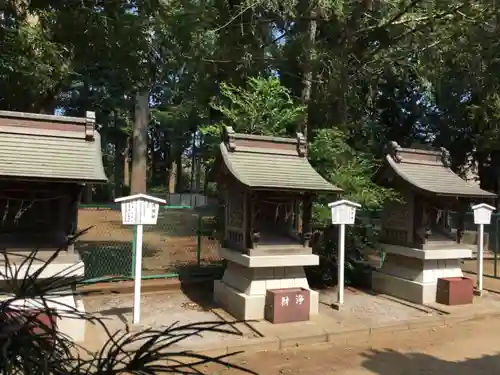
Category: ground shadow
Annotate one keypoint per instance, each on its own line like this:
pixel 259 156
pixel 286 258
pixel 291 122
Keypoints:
pixel 117 311
pixel 197 282
pixel 209 269
pixel 200 293
pixel 360 277
pixel 391 362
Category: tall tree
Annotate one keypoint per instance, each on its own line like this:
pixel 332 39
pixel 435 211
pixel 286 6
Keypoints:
pixel 140 144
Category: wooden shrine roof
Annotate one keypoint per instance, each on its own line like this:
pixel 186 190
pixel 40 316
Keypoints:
pixel 429 171
pixel 263 162
pixel 47 147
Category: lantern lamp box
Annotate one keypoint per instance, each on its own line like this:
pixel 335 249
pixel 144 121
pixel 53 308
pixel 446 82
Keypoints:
pixel 482 213
pixel 343 211
pixel 140 209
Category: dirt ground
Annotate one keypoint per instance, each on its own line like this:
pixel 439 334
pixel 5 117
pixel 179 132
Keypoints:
pixel 464 349
pixel 488 267
pixel 161 310
pixel 167 246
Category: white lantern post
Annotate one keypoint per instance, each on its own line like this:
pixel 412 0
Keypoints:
pixel 139 210
pixel 343 212
pixel 482 215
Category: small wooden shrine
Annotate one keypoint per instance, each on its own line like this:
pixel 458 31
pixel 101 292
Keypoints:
pixel 267 188
pixel 45 161
pixel 420 244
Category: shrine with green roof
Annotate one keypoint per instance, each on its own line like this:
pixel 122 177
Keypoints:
pixel 45 162
pixel 419 244
pixel 266 190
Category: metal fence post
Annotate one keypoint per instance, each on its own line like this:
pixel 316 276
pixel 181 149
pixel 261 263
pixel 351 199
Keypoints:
pixel 198 241
pixel 134 241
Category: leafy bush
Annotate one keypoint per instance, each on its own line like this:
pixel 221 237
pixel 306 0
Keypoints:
pixel 263 107
pixel 347 168
pixel 364 234
pixel 352 171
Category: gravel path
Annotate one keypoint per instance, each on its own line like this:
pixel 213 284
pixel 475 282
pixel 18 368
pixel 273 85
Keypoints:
pixel 372 309
pixel 158 311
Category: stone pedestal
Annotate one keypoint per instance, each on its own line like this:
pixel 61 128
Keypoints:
pixel 412 274
pixel 242 290
pixel 66 302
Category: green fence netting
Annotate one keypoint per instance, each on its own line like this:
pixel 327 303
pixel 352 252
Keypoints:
pixel 179 241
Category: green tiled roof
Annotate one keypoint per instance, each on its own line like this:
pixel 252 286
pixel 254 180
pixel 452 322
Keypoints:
pixel 39 153
pixel 264 163
pixel 428 171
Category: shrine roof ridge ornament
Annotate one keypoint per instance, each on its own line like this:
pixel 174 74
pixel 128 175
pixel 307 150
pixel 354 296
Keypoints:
pixel 419 156
pixel 231 138
pixel 428 171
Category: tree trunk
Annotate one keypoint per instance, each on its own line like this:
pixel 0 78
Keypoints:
pixel 126 166
pixel 178 173
pixel 166 161
pixel 140 144
pixel 198 174
pixel 307 68
pixel 153 154
pixel 172 177
pixel 193 163
pixel 118 170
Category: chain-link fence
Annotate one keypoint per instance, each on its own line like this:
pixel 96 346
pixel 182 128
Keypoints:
pixel 180 241
pixel 491 264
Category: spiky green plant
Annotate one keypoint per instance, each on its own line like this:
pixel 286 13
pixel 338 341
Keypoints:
pixel 32 347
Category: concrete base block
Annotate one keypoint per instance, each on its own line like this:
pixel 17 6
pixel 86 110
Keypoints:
pixel 314 300
pixel 239 305
pixel 263 261
pixel 67 305
pixel 412 274
pixel 412 291
pixel 72 326
pixel 242 290
pixel 66 265
pixel 250 307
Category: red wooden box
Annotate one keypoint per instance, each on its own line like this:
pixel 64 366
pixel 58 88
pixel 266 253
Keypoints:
pixel 37 321
pixel 455 291
pixel 287 305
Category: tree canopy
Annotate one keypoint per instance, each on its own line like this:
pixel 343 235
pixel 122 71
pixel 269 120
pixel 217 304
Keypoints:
pixel 351 75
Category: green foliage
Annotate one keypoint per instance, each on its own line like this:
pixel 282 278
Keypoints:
pixel 351 170
pixel 408 71
pixel 347 168
pixel 363 235
pixel 33 65
pixel 263 107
